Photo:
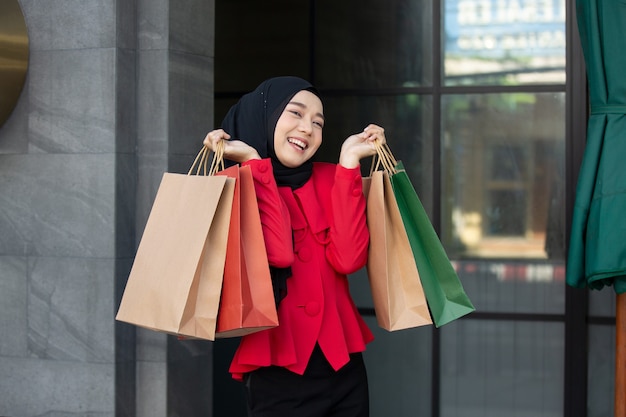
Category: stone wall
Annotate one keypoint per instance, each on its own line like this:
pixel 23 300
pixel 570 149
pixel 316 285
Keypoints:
pixel 117 92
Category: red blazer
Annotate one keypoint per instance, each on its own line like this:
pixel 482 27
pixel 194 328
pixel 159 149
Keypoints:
pixel 330 240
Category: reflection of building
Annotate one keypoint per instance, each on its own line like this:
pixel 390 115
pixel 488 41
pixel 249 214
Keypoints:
pixel 521 41
pixel 502 154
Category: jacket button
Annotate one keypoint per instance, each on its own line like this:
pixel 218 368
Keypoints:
pixel 304 254
pixel 263 168
pixel 265 179
pixel 312 308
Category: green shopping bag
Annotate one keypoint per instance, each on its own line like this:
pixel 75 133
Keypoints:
pixel 445 295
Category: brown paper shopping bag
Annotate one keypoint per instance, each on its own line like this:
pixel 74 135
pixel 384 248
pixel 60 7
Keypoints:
pixel 397 292
pixel 175 281
pixel 247 303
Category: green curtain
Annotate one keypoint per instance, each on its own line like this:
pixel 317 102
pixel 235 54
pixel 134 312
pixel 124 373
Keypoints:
pixel 597 247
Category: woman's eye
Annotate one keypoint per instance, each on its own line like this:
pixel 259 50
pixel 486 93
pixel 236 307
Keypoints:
pixel 296 113
pixel 319 124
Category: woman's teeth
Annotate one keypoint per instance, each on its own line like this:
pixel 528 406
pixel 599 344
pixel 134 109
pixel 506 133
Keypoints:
pixel 298 143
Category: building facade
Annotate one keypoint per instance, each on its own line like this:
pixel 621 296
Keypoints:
pixel 483 100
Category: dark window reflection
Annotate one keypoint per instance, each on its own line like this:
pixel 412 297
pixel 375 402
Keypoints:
pixel 373 44
pixel 508 163
pixel 504 369
pixel 505 213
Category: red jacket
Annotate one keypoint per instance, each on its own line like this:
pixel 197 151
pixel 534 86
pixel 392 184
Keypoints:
pixel 327 216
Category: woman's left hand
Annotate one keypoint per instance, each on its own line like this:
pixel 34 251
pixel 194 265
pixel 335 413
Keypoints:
pixel 361 145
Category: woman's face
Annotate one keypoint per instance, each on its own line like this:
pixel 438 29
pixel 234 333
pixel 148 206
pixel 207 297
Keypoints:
pixel 298 133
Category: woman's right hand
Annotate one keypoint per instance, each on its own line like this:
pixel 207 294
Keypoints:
pixel 234 150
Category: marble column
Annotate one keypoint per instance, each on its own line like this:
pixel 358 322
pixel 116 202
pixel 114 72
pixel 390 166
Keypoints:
pixel 117 92
pixel 175 54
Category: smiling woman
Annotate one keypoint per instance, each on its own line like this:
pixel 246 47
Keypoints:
pixel 315 234
pixel 13 56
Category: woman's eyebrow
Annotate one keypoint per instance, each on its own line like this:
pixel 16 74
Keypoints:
pixel 303 106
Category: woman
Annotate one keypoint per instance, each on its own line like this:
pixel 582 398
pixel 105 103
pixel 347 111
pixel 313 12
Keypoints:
pixel 314 225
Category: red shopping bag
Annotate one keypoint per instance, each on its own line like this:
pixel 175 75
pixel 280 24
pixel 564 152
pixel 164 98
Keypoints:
pixel 247 302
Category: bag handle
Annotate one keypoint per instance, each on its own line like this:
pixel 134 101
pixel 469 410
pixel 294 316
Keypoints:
pixel 383 157
pixel 201 161
pixel 217 163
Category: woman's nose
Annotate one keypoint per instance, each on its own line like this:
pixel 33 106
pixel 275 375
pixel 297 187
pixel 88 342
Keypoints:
pixel 306 125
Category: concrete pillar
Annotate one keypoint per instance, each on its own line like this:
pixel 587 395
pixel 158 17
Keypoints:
pixel 117 92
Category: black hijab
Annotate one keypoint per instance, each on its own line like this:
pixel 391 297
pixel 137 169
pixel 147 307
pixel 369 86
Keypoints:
pixel 253 121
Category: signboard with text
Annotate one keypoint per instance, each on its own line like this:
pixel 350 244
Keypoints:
pixel 501 28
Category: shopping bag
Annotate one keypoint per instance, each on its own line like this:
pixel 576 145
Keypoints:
pixel 444 291
pixel 175 282
pixel 247 302
pixel 399 301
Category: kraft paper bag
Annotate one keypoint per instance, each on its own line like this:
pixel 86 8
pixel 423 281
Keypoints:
pixel 247 303
pixel 176 278
pixel 399 300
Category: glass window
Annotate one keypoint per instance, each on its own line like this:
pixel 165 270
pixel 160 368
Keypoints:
pixel 472 94
pixel 503 174
pixel 502 198
pixel 399 371
pixel 373 44
pixel 602 303
pixel 504 42
pixel 500 368
pixel 256 40
pixel 514 286
pixel 601 371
